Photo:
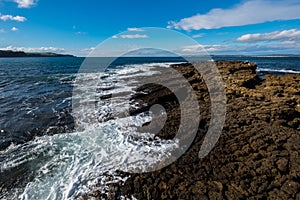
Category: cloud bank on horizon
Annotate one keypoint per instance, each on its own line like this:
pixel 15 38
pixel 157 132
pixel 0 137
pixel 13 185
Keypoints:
pixel 131 36
pixel 34 49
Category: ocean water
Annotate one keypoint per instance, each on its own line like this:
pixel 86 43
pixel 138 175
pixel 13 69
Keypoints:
pixel 43 155
pixel 277 65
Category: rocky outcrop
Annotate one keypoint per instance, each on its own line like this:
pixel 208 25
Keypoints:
pixel 257 155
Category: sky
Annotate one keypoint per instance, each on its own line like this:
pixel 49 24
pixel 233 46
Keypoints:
pixel 243 27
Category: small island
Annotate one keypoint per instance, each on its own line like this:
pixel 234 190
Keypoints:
pixel 14 54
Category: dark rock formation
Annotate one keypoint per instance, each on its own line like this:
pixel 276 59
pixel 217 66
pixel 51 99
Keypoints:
pixel 257 155
pixel 8 54
pixel 12 54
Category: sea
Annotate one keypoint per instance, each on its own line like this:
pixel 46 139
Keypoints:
pixel 45 155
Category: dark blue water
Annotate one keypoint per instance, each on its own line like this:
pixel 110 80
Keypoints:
pixel 35 93
pixel 35 97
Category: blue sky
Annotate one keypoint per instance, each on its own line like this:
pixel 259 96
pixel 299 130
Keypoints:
pixel 221 27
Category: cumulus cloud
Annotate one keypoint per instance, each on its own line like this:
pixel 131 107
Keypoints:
pixel 12 18
pixel 33 49
pixel 248 12
pixel 25 3
pixel 286 35
pixel 14 29
pixel 134 36
pixel 135 29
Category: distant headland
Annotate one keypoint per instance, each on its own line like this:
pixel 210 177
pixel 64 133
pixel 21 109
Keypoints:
pixel 14 54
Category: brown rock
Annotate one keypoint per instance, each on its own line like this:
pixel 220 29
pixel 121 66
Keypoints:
pixel 291 188
pixel 282 164
pixel 258 153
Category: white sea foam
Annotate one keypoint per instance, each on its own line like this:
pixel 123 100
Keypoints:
pixel 286 71
pixel 68 165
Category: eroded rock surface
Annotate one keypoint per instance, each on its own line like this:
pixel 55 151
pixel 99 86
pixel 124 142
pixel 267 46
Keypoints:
pixel 257 155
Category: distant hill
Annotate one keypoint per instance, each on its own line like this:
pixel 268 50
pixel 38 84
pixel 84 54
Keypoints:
pixel 8 54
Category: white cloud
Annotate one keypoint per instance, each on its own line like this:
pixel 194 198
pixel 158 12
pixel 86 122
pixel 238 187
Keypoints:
pixel 135 36
pixel 33 49
pixel 115 37
pixel 248 12
pixel 198 35
pixel 192 48
pixel 290 42
pixel 205 48
pixel 12 18
pixel 25 3
pixel 14 29
pixel 135 29
pixel 88 50
pixel 286 35
pixel 218 48
pixel 282 47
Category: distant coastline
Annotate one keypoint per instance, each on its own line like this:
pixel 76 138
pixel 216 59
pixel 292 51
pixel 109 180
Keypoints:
pixel 22 54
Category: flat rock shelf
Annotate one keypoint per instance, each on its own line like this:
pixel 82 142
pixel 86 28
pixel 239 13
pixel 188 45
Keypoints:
pixel 257 155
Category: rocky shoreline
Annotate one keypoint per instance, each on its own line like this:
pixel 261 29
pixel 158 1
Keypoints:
pixel 257 155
